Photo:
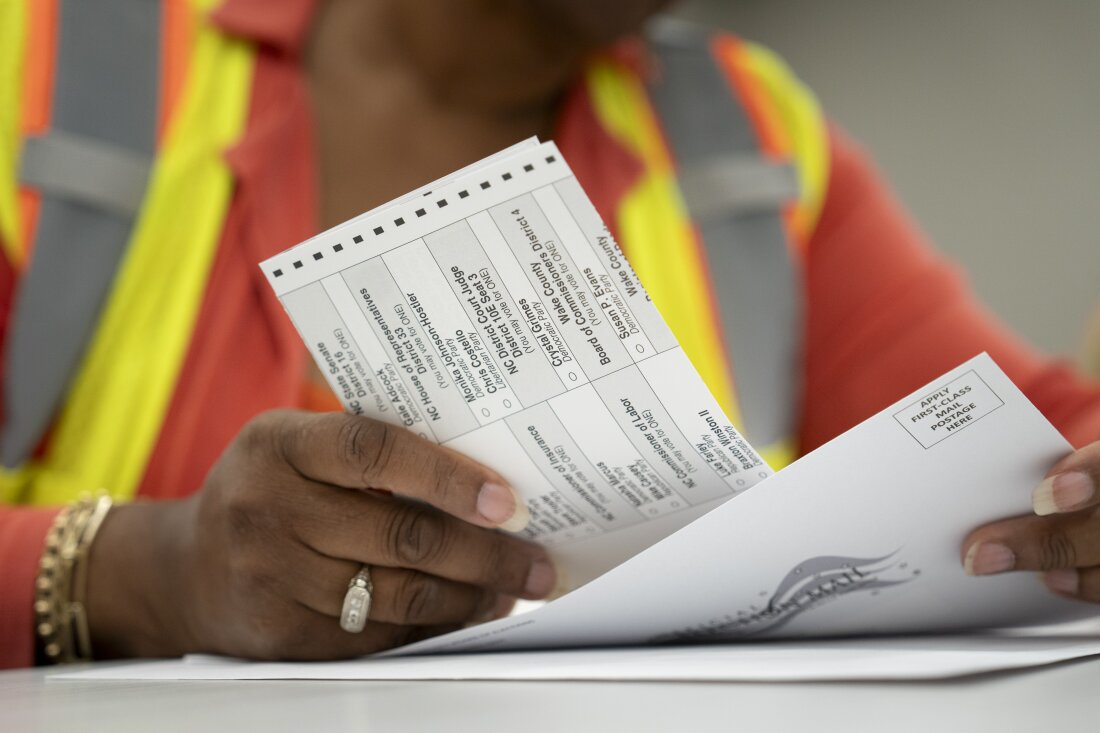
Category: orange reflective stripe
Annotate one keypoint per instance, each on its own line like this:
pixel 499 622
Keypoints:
pixel 178 19
pixel 656 231
pixel 38 68
pixel 29 203
pixel 41 53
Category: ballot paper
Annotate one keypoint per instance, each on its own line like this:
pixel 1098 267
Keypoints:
pixel 492 312
pixel 912 658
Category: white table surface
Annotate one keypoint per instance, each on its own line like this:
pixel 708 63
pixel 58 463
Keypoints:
pixel 1065 697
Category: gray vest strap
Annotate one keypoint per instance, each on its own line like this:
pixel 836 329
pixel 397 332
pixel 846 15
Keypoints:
pixel 85 170
pixel 91 171
pixel 737 185
pixel 734 195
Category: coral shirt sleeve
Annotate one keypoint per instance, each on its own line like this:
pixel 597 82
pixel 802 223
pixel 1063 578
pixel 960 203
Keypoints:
pixel 886 314
pixel 22 535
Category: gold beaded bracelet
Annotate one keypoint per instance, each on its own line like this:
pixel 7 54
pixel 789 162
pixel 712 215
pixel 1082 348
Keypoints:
pixel 61 621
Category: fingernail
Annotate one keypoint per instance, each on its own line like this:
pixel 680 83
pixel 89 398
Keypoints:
pixel 520 519
pixel 540 579
pixel 1062 493
pixel 498 505
pixel 986 558
pixel 1065 582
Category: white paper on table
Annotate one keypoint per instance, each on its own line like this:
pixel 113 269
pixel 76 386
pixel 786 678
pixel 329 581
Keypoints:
pixel 911 658
pixel 861 536
pixel 491 311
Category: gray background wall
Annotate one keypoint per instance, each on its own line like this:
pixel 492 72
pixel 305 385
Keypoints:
pixel 984 115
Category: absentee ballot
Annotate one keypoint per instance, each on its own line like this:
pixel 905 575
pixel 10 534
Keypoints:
pixel 492 312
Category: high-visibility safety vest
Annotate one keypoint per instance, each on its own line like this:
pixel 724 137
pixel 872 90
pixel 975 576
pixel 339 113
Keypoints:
pixel 112 174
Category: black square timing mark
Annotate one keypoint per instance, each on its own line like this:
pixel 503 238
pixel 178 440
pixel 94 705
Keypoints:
pixel 398 221
pixel 278 273
pixel 528 167
pixel 463 194
pixel 337 247
pixel 420 212
pixel 484 184
pixel 317 255
pixel 507 176
pixel 297 264
pixel 441 203
pixel 378 230
pixel 357 239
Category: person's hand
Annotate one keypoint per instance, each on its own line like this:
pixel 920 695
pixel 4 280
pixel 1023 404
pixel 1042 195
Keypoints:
pixel 1062 538
pixel 257 563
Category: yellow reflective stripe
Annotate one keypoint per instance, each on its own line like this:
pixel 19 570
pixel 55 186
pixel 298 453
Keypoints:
pixel 789 108
pixel 110 422
pixel 13 36
pixel 657 233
